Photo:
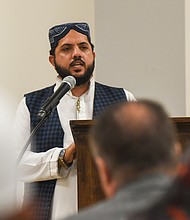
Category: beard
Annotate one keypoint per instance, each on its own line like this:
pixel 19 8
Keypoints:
pixel 80 80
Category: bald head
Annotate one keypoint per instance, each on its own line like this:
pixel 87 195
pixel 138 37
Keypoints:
pixel 136 136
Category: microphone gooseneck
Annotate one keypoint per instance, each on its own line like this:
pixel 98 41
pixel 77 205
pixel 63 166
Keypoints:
pixel 67 84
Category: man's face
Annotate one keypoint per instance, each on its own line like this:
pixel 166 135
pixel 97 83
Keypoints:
pixel 73 55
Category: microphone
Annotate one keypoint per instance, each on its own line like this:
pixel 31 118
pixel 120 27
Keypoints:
pixel 67 84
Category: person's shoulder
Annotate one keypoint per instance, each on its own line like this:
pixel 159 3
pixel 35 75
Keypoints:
pixel 106 86
pixel 128 94
pixel 103 210
pixel 41 91
pixel 89 213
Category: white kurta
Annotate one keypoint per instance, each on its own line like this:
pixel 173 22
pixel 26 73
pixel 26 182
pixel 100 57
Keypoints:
pixel 43 166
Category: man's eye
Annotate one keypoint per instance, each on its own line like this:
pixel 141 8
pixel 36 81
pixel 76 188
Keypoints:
pixel 84 47
pixel 66 48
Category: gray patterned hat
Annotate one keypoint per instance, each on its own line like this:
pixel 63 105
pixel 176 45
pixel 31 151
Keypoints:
pixel 59 31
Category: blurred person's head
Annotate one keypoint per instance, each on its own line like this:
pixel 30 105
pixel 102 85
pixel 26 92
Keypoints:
pixel 133 139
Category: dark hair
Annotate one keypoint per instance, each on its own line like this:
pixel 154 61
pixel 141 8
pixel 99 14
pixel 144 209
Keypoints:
pixel 142 139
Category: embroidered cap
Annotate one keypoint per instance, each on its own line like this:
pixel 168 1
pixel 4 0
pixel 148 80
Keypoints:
pixel 59 31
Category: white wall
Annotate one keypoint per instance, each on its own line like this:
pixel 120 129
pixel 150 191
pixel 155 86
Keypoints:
pixel 24 39
pixel 141 46
pixel 187 50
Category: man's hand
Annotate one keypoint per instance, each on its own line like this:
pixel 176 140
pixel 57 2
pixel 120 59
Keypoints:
pixel 70 154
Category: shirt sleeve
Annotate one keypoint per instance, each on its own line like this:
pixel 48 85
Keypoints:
pixel 33 166
pixel 130 96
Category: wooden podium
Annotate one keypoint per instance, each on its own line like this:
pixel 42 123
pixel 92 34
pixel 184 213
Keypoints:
pixel 183 129
pixel 89 188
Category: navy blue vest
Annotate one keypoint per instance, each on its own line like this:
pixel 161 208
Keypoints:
pixel 51 135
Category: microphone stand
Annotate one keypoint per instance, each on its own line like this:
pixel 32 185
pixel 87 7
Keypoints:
pixel 67 84
pixel 40 123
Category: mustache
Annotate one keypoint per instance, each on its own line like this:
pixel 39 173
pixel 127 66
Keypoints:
pixel 78 61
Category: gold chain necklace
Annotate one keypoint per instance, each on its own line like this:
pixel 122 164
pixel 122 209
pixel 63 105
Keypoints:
pixel 78 105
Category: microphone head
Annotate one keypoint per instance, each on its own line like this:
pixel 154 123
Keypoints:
pixel 70 80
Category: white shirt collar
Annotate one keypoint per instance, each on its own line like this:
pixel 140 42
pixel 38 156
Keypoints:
pixel 87 95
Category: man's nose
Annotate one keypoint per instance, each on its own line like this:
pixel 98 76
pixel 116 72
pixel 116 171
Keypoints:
pixel 76 52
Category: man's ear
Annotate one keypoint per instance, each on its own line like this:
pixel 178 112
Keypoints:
pixel 52 60
pixel 107 181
